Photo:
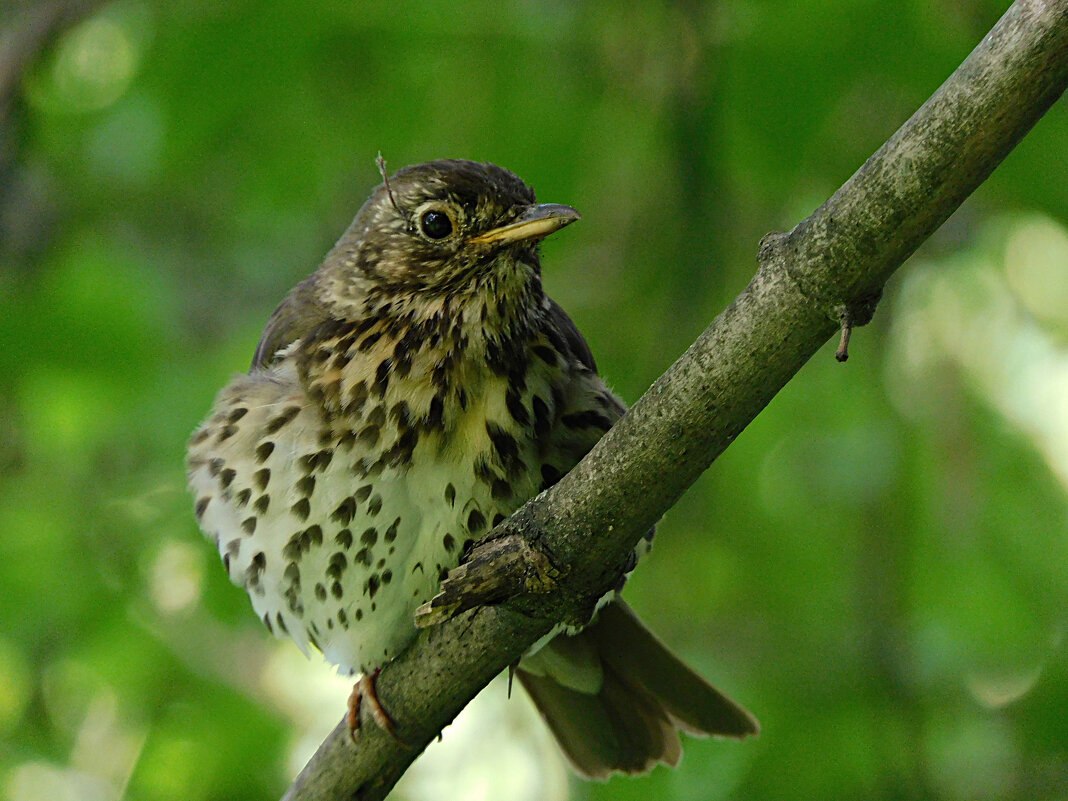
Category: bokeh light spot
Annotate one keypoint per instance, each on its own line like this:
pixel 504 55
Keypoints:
pixel 93 66
pixel 14 684
pixel 176 577
pixel 40 781
pixel 996 690
pixel 1036 266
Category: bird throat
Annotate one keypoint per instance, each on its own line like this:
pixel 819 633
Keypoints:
pixel 420 361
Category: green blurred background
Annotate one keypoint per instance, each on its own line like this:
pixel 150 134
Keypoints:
pixel 878 568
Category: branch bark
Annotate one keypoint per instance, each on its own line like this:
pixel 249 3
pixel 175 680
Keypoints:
pixel 830 268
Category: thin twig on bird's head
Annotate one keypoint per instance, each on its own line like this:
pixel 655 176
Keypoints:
pixel 381 162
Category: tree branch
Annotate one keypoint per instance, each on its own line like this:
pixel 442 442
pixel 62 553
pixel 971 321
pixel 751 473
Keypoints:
pixel 830 268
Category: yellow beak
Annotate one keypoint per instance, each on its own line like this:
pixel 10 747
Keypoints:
pixel 534 223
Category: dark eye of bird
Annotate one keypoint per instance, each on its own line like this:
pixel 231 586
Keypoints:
pixel 435 224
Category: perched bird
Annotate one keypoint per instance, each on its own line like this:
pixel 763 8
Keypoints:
pixel 410 394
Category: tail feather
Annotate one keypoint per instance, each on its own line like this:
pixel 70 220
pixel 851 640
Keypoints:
pixel 628 722
pixel 607 732
pixel 631 650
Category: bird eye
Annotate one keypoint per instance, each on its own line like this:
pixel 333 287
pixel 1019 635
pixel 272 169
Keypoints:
pixel 435 224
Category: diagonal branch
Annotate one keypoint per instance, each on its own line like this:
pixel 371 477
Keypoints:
pixel 830 268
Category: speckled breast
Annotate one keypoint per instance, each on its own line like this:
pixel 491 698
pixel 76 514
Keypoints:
pixel 340 491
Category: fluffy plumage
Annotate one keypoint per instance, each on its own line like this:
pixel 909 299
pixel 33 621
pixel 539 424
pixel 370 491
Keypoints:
pixel 409 395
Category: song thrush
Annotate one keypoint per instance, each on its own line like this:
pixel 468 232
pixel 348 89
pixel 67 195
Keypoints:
pixel 407 396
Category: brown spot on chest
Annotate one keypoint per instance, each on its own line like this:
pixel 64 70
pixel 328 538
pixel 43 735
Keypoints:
pixel 301 509
pixel 338 563
pixel 319 460
pixel 277 423
pixel 382 376
pixel 345 511
pixel 506 447
pixel 475 521
pixel 391 532
pixel 514 402
pixel 542 421
pixel 261 478
pixel 254 570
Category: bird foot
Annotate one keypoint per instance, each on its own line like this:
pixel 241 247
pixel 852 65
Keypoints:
pixel 364 690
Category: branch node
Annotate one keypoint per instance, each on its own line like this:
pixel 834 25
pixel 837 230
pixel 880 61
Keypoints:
pixel 854 315
pixel 770 248
pixel 777 253
pixel 842 354
pixel 497 570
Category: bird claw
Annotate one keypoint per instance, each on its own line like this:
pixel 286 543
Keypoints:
pixel 364 690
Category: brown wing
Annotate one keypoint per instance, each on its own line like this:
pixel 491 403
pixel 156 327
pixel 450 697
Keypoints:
pixel 296 317
pixel 575 341
pixel 587 408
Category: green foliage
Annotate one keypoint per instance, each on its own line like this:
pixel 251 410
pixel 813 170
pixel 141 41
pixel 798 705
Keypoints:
pixel 878 568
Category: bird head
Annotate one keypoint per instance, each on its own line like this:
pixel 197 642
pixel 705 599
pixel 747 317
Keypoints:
pixel 447 227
